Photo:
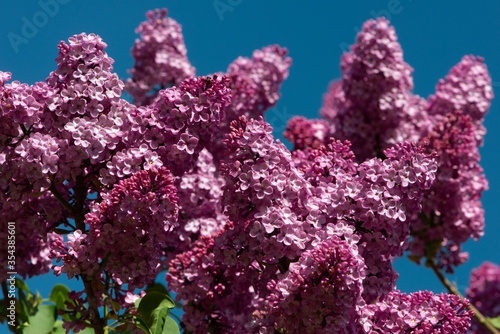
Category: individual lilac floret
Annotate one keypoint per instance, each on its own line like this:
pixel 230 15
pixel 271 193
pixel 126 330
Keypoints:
pixel 128 230
pixel 160 58
pixel 484 293
pixel 452 212
pixel 419 312
pixel 467 87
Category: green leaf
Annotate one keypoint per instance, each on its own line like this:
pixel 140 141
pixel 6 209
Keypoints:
pixel 152 301
pixel 137 302
pixel 58 328
pixel 20 284
pixel 58 296
pixel 42 321
pixel 24 307
pixel 158 287
pixel 494 321
pixel 139 323
pixel 170 326
pixel 158 319
pixel 59 293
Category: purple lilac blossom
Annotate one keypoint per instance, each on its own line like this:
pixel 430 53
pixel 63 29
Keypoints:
pixel 160 58
pixel 484 293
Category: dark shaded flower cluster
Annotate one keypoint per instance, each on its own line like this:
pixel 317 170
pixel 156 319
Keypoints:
pixel 452 211
pixel 305 133
pixel 484 293
pixel 128 230
pixel 418 312
pixel 324 287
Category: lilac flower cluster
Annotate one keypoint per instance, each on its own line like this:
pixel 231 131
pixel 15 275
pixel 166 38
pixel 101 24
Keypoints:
pixel 23 197
pixel 128 230
pixel 324 287
pixel 257 239
pixel 255 85
pixel 484 293
pixel 160 58
pixel 452 209
pixel 285 212
pixel 379 198
pixel 419 312
pixel 200 211
pixel 373 107
pixel 264 232
pixel 305 133
pixel 369 107
pixel 174 129
pixel 467 87
pixel 256 81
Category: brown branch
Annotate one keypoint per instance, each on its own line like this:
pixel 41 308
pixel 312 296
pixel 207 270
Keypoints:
pixel 453 290
pixel 61 199
pixel 80 196
pixel 95 318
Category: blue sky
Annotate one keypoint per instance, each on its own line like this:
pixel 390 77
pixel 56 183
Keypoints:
pixel 434 37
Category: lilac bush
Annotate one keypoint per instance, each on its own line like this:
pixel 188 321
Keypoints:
pixel 254 237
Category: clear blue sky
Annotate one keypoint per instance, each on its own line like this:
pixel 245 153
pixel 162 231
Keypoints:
pixel 434 37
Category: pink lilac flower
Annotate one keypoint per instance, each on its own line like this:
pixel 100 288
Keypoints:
pixel 324 287
pixel 128 230
pixel 195 276
pixel 255 85
pixel 466 88
pixel 200 211
pixel 484 293
pixel 419 312
pixel 372 106
pixel 160 58
pixel 452 210
pixel 29 213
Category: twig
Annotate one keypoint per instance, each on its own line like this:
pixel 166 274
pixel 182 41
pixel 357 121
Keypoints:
pixel 453 290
